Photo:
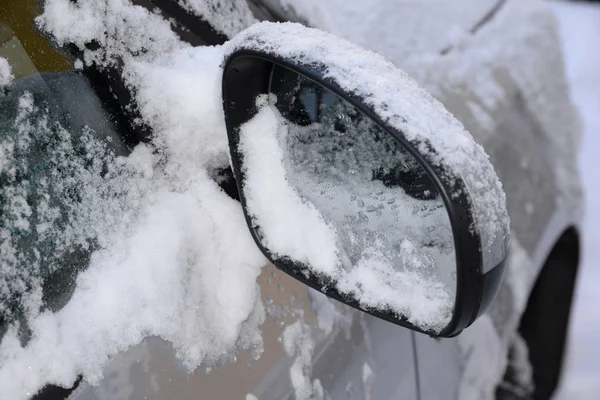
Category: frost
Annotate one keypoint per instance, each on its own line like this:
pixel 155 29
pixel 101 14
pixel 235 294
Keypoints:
pixel 273 200
pixel 6 75
pixel 57 206
pixel 421 118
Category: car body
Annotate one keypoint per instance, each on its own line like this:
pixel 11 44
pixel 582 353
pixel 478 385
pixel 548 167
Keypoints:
pixel 500 73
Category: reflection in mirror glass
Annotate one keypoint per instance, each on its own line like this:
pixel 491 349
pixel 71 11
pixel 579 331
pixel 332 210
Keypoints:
pixel 359 210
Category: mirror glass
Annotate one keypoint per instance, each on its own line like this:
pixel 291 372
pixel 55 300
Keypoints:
pixel 329 190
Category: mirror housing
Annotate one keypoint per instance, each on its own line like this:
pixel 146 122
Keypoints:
pixel 459 167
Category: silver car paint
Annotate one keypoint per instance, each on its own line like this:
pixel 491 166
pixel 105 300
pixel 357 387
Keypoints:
pixel 533 148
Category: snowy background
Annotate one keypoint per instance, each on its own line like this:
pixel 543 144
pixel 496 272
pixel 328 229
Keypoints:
pixel 580 34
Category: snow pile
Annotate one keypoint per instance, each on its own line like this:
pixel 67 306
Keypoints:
pixel 186 115
pixel 387 263
pixel 6 75
pixel 172 257
pixel 421 118
pixel 111 31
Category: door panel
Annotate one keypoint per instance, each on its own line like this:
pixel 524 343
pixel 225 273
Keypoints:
pixel 377 362
pixel 347 353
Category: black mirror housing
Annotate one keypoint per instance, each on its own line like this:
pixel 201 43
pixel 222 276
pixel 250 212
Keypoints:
pixel 458 167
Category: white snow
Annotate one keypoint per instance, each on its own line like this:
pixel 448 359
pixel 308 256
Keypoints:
pixel 291 226
pixel 179 95
pixel 6 75
pixel 123 29
pixel 174 257
pixel 579 25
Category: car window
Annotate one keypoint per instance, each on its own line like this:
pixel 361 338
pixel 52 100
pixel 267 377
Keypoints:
pixel 49 118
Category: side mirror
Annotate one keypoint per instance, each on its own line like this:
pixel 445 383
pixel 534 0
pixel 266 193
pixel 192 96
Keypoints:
pixel 355 181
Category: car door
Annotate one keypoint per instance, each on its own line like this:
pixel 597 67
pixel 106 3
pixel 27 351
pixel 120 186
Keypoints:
pixel 313 347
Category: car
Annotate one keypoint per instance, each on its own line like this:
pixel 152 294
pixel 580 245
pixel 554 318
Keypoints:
pixel 128 180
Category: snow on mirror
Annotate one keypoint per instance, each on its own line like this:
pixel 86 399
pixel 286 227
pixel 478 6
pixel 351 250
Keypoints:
pixel 327 190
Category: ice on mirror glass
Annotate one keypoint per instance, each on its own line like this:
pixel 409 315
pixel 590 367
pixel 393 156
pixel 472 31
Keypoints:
pixel 360 211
